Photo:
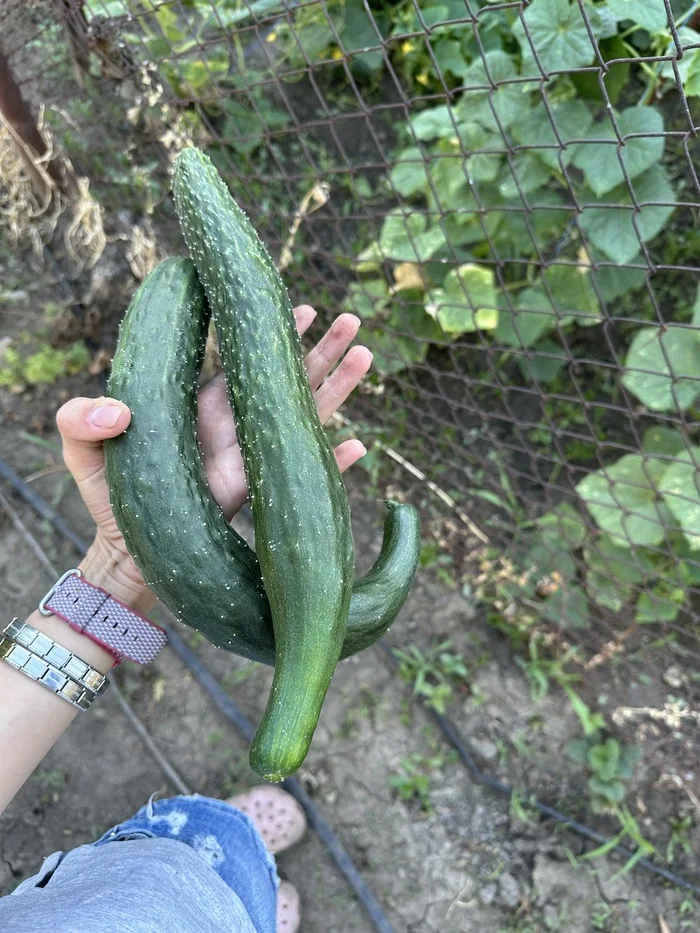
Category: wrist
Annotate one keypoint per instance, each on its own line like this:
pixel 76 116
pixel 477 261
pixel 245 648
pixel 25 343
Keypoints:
pixel 115 572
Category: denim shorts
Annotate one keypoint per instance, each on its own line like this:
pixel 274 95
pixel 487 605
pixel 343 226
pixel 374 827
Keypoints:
pixel 223 836
pixel 174 888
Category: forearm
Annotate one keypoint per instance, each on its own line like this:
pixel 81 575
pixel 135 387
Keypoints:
pixel 32 719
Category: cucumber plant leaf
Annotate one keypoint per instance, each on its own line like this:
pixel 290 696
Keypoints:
pixel 611 229
pixel 623 500
pixel 649 14
pixel 663 368
pixel 558 34
pixel 467 300
pixel 680 488
pixel 600 161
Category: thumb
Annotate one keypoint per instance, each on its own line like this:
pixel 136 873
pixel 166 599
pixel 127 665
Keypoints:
pixel 84 423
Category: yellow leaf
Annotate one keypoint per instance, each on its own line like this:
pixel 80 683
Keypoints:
pixel 407 276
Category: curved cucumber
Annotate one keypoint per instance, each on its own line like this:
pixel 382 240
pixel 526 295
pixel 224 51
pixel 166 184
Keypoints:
pixel 208 576
pixel 300 508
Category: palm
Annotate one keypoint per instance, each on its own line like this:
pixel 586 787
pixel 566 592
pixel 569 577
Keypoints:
pixel 222 458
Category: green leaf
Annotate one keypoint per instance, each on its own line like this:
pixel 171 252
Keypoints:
pixel 662 604
pixel 649 14
pixel 612 791
pixel 481 166
pixel 614 281
pixel 600 162
pixel 572 120
pixel 437 122
pixel 558 34
pixel 573 297
pixel 404 237
pixel 611 229
pixel 358 33
pixel 410 320
pixel 478 102
pixel 587 83
pixel 550 557
pixel 529 171
pixel 622 498
pixel 366 298
pixel 408 175
pixel 467 300
pixel 663 368
pixel 536 313
pixel 543 368
pixel 532 319
pixel 689 65
pixel 604 759
pixel 680 488
pixel 566 522
pixel 449 57
pixel 568 607
pixel 612 571
pixel 666 441
pixel 393 354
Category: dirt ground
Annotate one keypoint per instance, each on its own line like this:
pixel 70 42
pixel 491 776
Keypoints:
pixel 466 862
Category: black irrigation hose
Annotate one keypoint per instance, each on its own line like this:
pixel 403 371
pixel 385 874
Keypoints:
pixel 228 708
pixel 451 733
pixel 225 705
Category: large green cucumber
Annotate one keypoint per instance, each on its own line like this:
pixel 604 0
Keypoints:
pixel 300 508
pixel 188 553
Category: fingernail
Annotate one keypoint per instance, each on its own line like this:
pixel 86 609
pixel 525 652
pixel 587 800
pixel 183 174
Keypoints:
pixel 364 451
pixel 106 416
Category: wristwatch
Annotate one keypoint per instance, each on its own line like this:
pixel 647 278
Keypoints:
pixel 94 613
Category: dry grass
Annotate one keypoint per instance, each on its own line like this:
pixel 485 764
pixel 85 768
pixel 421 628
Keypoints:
pixel 31 203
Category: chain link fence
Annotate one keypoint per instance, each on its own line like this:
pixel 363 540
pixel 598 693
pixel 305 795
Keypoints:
pixel 506 194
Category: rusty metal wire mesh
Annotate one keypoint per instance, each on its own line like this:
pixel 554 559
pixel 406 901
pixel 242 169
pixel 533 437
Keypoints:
pixel 506 194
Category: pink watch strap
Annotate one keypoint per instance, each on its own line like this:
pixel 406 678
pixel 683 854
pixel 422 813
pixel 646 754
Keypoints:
pixel 93 612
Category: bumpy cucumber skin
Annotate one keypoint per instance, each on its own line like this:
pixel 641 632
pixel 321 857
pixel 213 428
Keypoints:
pixel 178 536
pixel 208 576
pixel 378 597
pixel 299 503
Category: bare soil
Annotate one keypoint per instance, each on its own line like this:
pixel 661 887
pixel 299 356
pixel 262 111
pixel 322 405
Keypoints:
pixel 467 862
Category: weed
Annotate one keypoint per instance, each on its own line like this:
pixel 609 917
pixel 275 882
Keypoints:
pixel 431 556
pixel 604 917
pixel 433 673
pixel 416 772
pixel 521 808
pixel 629 831
pixel 364 707
pixel 45 366
pixel 679 837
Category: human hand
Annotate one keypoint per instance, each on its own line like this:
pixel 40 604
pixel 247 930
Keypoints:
pixel 85 423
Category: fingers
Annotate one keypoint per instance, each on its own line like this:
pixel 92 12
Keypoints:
pixel 305 316
pixel 215 425
pixel 330 348
pixel 84 423
pixel 349 452
pixel 342 382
